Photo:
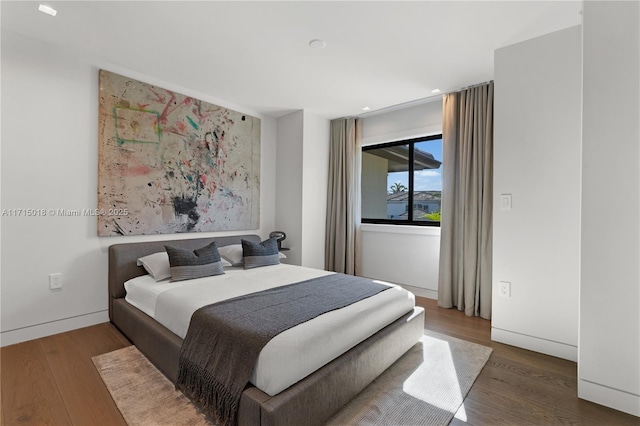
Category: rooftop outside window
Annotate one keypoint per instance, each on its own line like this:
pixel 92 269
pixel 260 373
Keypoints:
pixel 401 174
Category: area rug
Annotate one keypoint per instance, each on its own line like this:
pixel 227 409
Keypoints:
pixel 425 387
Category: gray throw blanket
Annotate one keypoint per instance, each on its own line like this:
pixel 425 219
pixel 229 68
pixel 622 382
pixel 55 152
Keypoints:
pixel 224 339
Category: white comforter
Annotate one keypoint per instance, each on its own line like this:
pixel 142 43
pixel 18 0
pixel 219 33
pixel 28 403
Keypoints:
pixel 291 355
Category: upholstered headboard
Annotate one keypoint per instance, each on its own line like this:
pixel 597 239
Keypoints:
pixel 123 258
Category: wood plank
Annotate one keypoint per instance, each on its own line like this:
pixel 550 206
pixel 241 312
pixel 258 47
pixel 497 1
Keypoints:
pixel 552 364
pixel 30 395
pixel 515 406
pixel 522 387
pixel 539 372
pixel 69 356
pixel 455 323
pixel 479 414
pixel 99 339
pixel 1 400
pixel 591 414
pixel 569 409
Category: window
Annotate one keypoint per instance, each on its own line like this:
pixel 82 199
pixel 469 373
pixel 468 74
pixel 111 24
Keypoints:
pixel 397 175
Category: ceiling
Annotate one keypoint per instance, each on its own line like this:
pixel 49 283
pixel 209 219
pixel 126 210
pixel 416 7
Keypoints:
pixel 257 54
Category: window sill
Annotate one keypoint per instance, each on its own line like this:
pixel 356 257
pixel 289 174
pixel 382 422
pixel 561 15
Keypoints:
pixel 400 229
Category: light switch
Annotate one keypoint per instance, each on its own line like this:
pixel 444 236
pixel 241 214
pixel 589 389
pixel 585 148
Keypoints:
pixel 505 201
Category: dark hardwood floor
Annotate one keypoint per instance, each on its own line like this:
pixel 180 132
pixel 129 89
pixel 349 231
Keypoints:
pixel 52 381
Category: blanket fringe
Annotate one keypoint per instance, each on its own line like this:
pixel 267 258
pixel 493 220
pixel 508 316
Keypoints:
pixel 212 396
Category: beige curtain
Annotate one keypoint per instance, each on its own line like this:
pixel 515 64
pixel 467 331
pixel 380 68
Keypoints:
pixel 343 198
pixel 466 225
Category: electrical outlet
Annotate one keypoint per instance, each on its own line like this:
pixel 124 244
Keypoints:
pixel 55 281
pixel 505 289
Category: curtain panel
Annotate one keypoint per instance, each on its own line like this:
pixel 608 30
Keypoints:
pixel 466 225
pixel 342 247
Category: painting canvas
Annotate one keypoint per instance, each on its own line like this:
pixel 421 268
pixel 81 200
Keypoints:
pixel 170 163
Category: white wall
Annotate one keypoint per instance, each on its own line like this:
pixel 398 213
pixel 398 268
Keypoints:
pixel 406 255
pixel 301 194
pixel 609 358
pixel 289 183
pixel 315 178
pixel 536 245
pixel 403 122
pixel 50 156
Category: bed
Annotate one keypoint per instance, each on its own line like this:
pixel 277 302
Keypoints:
pixel 311 400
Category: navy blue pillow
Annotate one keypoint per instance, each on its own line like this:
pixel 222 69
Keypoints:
pixel 186 264
pixel 260 254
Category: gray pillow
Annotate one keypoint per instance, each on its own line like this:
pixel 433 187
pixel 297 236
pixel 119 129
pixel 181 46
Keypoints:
pixel 186 264
pixel 260 254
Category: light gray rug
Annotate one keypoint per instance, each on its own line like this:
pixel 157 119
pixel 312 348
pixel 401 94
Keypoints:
pixel 424 387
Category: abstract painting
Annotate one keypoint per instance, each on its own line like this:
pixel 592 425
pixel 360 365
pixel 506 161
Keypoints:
pixel 169 163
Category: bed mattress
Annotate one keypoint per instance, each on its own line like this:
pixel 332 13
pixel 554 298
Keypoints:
pixel 293 354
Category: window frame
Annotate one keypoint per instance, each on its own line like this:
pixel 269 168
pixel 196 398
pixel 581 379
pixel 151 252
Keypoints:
pixel 409 221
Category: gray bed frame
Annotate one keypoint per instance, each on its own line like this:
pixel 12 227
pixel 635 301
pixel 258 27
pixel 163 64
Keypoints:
pixel 311 401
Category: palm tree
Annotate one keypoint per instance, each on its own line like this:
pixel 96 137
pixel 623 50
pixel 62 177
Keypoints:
pixel 397 187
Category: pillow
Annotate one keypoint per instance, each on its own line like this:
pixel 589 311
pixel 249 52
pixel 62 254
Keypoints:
pixel 187 264
pixel 156 265
pixel 232 254
pixel 260 254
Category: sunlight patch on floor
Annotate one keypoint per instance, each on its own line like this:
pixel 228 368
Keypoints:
pixel 438 369
pixel 461 414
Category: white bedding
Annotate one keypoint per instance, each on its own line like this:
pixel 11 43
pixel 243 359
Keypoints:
pixel 291 355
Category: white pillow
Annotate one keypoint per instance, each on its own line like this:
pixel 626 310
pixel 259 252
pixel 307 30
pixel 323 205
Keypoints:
pixel 157 265
pixel 232 254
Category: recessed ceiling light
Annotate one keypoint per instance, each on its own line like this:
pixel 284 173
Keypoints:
pixel 366 109
pixel 317 44
pixel 435 91
pixel 48 10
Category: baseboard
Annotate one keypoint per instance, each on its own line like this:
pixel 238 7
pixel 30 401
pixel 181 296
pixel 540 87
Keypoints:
pixel 536 344
pixel 422 292
pixel 609 397
pixel 54 327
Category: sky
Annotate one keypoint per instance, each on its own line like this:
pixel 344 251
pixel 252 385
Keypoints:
pixel 423 180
